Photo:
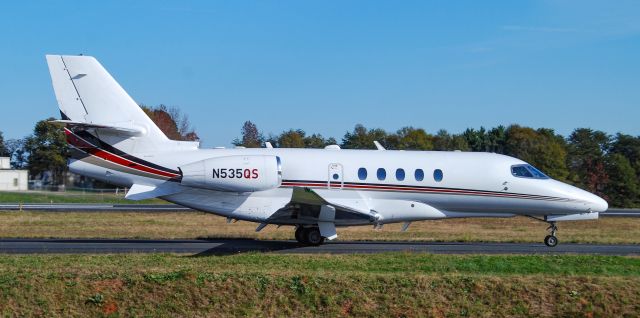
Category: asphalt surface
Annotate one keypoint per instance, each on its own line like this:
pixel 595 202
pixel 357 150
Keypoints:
pixel 82 207
pixel 233 246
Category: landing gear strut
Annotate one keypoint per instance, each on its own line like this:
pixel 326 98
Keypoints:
pixel 309 235
pixel 551 240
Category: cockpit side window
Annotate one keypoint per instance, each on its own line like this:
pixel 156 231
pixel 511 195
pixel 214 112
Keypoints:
pixel 537 173
pixel 527 171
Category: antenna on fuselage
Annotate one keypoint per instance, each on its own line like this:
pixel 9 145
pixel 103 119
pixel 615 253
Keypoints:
pixel 378 145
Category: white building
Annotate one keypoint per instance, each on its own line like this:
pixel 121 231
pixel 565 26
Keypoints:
pixel 10 179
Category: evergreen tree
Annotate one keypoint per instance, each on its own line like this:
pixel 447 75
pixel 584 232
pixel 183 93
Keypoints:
pixel 629 147
pixel 317 141
pixel 586 159
pixel 292 139
pixel 443 141
pixel 47 151
pixel 3 149
pixel 409 138
pixel 251 137
pixel 497 138
pixel 17 153
pixel 361 138
pixel 459 143
pixel 622 189
pixel 478 140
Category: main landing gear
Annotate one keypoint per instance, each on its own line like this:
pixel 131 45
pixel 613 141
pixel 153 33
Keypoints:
pixel 309 235
pixel 551 240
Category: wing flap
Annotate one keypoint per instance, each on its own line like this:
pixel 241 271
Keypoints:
pixel 309 196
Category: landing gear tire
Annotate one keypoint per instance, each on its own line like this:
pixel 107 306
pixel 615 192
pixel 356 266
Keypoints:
pixel 550 241
pixel 299 235
pixel 312 236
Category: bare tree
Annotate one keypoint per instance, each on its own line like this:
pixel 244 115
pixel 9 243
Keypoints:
pixel 173 123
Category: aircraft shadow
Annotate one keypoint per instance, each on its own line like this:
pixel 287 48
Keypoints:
pixel 239 246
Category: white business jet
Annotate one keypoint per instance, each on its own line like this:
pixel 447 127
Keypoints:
pixel 314 190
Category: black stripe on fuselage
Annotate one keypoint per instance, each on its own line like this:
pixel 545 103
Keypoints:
pixel 81 155
pixel 107 147
pixel 411 188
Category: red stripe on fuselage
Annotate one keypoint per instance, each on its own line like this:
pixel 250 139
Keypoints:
pixel 91 149
pixel 319 184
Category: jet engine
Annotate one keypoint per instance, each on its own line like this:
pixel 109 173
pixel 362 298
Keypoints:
pixel 234 173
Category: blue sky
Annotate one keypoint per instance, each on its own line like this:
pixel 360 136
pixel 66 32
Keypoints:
pixel 325 66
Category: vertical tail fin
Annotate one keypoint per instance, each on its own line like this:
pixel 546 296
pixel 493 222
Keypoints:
pixel 87 94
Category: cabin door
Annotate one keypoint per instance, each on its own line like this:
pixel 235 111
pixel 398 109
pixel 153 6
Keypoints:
pixel 335 180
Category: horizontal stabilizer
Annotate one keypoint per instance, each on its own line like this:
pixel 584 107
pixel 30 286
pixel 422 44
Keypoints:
pixel 124 130
pixel 142 192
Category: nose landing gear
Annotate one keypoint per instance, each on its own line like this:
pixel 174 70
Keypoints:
pixel 551 240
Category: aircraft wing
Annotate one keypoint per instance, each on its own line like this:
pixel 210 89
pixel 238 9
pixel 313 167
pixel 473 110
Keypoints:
pixel 308 206
pixel 303 195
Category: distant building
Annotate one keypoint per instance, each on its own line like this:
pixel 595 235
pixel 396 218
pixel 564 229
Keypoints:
pixel 11 179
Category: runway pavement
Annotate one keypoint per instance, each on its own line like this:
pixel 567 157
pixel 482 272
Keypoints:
pixel 82 207
pixel 232 246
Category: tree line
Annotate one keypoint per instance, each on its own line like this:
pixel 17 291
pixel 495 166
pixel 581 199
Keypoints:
pixel 607 165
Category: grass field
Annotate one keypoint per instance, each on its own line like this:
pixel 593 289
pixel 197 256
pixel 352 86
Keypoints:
pixel 201 225
pixel 383 285
pixel 252 284
pixel 70 197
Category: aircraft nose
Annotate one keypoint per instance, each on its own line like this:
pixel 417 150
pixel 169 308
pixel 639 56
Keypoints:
pixel 598 204
pixel 588 201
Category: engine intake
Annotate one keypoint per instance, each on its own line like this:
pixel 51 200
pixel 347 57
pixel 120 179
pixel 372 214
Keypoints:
pixel 234 173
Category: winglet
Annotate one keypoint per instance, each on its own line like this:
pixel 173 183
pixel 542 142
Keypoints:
pixel 378 145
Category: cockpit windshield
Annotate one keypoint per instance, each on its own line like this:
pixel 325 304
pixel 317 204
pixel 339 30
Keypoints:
pixel 527 171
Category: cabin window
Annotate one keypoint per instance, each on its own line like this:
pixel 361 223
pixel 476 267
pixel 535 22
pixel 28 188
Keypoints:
pixel 437 175
pixel 400 174
pixel 419 175
pixel 527 171
pixel 382 174
pixel 362 174
pixel 335 176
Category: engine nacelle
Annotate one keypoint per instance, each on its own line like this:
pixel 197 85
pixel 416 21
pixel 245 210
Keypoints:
pixel 234 173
